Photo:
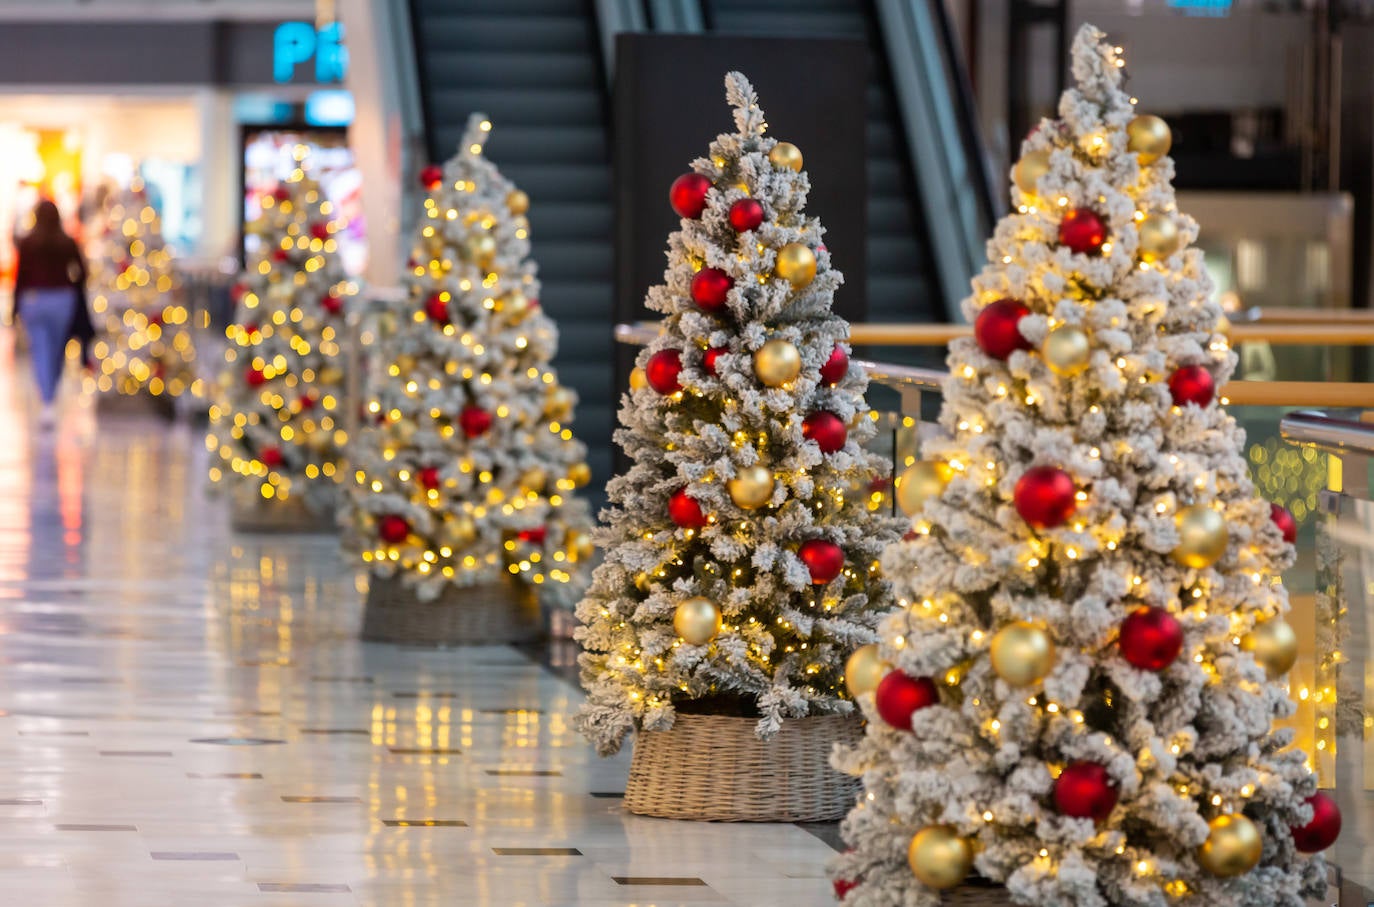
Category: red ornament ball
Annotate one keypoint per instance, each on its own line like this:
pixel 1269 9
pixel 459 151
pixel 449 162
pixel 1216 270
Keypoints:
pixel 746 214
pixel 684 510
pixel 429 477
pixel 1283 519
pixel 1192 384
pixel 392 529
pixel 836 367
pixel 332 304
pixel 306 402
pixel 474 421
pixel 826 429
pixel 155 318
pixel 254 377
pixel 1044 496
pixel 899 696
pixel 319 230
pixel 688 194
pixel 437 309
pixel 1151 639
pixel 281 255
pixel 824 559
pixel 281 194
pixel 997 329
pixel 1324 828
pixel 1083 231
pixel 271 457
pixel 710 287
pixel 251 327
pixel 843 887
pixel 432 176
pixel 534 536
pixel 662 371
pixel 712 356
pixel 1084 790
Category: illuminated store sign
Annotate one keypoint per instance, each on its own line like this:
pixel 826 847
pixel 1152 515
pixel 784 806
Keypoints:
pixel 295 43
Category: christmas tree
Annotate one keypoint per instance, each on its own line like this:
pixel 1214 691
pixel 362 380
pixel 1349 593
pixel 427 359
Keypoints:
pixel 467 468
pixel 278 428
pixel 741 554
pixel 1077 693
pixel 144 343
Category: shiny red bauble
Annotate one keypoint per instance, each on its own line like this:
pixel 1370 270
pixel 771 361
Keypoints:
pixel 306 402
pixel 746 214
pixel 688 194
pixel 1083 231
pixel 824 559
pixel 534 536
pixel 392 529
pixel 1084 790
pixel 437 309
pixel 271 457
pixel 251 327
pixel 826 429
pixel 319 230
pixel 710 287
pixel 898 697
pixel 1324 828
pixel 1044 496
pixel 332 304
pixel 997 329
pixel 708 361
pixel 1151 639
pixel 155 318
pixel 281 194
pixel 1283 519
pixel 684 510
pixel 843 887
pixel 432 176
pixel 836 367
pixel 254 377
pixel 474 421
pixel 662 370
pixel 1192 384
pixel 429 477
pixel 281 255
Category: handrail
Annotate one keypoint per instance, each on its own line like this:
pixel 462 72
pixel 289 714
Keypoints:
pixel 1338 436
pixel 871 334
pixel 1295 315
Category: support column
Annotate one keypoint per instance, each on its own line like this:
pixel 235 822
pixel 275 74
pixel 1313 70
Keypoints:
pixel 220 204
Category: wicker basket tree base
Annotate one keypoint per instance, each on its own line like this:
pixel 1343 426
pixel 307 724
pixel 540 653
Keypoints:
pixel 257 514
pixel 977 893
pixel 503 611
pixel 713 768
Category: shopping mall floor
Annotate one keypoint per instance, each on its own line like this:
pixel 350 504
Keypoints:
pixel 187 718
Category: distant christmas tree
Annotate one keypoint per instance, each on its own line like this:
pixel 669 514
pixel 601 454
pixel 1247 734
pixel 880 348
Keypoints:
pixel 144 342
pixel 277 429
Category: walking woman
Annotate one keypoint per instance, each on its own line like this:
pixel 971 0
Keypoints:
pixel 49 294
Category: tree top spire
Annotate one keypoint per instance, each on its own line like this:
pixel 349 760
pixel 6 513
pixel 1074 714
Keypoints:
pixel 475 134
pixel 1098 69
pixel 749 117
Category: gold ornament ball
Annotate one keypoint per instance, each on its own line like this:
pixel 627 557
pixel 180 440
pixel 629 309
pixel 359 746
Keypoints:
pixel 583 547
pixel 534 479
pixel 1202 536
pixel 939 857
pixel 697 621
pixel 1274 645
pixel 1067 350
pixel 1159 237
pixel 330 375
pixel 405 363
pixel 752 488
pixel 1149 138
pixel 777 362
pixel 405 430
pixel 864 669
pixel 462 529
pixel 920 482
pixel 559 403
pixel 1022 653
pixel 786 156
pixel 1232 848
pixel 638 381
pixel 1028 170
pixel 580 474
pixel 517 303
pixel 796 265
pixel 518 202
pixel 481 248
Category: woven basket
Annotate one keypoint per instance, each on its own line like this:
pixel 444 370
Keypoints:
pixel 713 768
pixel 502 611
pixel 977 893
pixel 256 514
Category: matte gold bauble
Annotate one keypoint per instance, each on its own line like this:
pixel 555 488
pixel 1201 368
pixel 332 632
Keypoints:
pixel 1148 137
pixel 1202 536
pixel 796 265
pixel 1159 237
pixel 559 403
pixel 516 304
pixel 405 364
pixel 786 156
pixel 1274 645
pixel 481 247
pixel 462 529
pixel 534 479
pixel 777 362
pixel 920 482
pixel 581 545
pixel 752 488
pixel 638 381
pixel 1067 350
pixel 1232 848
pixel 697 621
pixel 1022 653
pixel 864 669
pixel 518 202
pixel 580 474
pixel 1028 170
pixel 939 857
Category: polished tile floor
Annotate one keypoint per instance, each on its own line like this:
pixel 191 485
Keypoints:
pixel 186 720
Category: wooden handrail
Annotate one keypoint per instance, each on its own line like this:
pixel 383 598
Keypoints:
pixel 1295 315
pixel 1354 334
pixel 1317 394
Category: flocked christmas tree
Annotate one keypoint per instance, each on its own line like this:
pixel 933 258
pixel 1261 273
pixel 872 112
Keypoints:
pixel 277 430
pixel 741 554
pixel 1089 654
pixel 144 342
pixel 467 469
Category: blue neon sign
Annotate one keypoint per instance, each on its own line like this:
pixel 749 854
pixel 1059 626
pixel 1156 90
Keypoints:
pixel 296 42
